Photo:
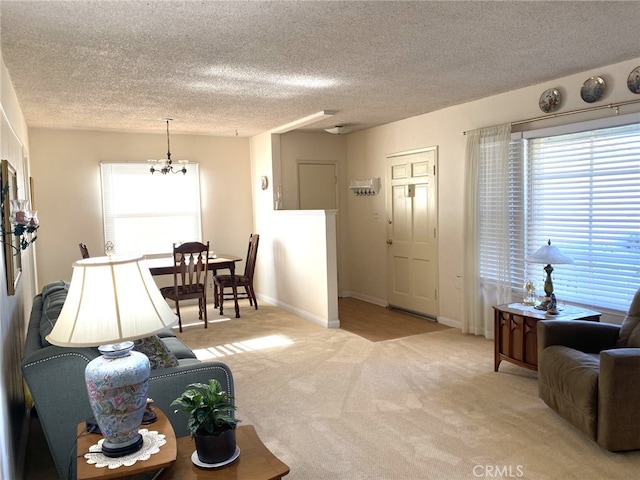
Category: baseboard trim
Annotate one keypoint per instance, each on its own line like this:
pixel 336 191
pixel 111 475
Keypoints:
pixel 328 323
pixel 366 298
pixel 449 322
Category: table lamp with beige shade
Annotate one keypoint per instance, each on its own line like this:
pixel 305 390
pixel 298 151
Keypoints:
pixel 548 254
pixel 112 301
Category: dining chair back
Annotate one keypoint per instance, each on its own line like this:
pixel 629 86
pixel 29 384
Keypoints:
pixel 220 282
pixel 189 277
pixel 84 251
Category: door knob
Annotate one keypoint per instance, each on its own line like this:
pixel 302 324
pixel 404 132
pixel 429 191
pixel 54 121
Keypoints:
pixel 389 242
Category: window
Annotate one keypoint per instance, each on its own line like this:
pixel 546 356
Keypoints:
pixel 581 190
pixel 145 213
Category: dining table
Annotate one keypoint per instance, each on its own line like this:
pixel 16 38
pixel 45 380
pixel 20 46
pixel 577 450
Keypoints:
pixel 164 265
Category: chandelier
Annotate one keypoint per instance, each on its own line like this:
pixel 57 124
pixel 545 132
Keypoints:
pixel 166 166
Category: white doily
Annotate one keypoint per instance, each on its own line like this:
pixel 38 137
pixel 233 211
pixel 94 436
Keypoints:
pixel 151 443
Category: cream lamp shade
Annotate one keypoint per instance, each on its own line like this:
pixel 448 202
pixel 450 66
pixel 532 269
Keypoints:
pixel 549 254
pixel 110 300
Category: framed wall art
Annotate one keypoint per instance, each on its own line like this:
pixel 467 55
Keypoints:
pixel 11 242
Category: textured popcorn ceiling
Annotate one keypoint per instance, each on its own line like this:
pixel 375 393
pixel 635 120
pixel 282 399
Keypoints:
pixel 222 67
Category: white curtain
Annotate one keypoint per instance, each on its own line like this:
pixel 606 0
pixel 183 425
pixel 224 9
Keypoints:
pixel 487 156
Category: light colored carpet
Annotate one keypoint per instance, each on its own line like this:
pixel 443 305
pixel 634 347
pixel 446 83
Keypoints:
pixel 333 405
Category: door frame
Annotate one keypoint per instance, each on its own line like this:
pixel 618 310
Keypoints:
pixel 388 199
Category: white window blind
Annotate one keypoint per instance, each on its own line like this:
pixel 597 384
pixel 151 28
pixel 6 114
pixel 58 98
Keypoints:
pixel 145 213
pixel 584 195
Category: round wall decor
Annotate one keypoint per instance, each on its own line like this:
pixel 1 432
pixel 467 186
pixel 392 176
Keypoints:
pixel 550 100
pixel 592 89
pixel 633 82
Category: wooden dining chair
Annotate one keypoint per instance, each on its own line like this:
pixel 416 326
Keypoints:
pixel 84 251
pixel 220 282
pixel 189 277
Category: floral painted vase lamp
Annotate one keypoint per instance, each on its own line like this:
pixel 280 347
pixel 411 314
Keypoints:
pixel 112 301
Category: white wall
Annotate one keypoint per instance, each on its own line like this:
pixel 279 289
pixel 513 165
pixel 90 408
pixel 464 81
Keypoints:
pixel 66 172
pixel 297 256
pixel 302 264
pixel 319 147
pixel 367 151
pixel 13 309
pixel 309 146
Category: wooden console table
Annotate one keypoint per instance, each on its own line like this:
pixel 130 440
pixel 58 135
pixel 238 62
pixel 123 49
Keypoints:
pixel 173 462
pixel 516 331
pixel 256 462
pixel 164 458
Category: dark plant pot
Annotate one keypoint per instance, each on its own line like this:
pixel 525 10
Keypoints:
pixel 216 448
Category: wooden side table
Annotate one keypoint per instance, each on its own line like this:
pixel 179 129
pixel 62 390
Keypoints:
pixel 255 462
pixel 516 331
pixel 164 458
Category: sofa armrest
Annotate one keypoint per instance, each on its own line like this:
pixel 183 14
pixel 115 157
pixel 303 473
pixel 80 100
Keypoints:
pixel 55 378
pixel 167 384
pixel 32 340
pixel 618 399
pixel 583 335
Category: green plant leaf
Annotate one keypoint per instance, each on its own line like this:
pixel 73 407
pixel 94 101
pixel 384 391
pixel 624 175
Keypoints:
pixel 209 407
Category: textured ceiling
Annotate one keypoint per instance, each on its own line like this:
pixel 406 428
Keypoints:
pixel 247 67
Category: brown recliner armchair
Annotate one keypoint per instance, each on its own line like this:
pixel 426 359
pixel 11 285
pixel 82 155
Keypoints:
pixel 589 373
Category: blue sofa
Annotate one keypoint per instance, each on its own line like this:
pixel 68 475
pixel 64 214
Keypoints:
pixel 55 378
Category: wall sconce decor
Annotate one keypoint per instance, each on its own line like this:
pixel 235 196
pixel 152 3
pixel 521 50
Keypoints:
pixel 24 222
pixel 19 224
pixel 366 187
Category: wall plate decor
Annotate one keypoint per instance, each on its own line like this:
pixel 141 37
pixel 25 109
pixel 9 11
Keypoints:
pixel 633 82
pixel 593 89
pixel 264 182
pixel 550 100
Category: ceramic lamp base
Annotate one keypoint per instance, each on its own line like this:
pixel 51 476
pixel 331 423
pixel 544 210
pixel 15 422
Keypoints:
pixel 121 451
pixel 117 384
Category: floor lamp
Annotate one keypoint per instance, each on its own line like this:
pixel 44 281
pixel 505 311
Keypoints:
pixel 112 301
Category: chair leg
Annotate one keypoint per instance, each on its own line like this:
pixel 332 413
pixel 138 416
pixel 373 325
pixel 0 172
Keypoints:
pixel 178 313
pixel 204 305
pixel 253 295
pixel 221 299
pixel 235 300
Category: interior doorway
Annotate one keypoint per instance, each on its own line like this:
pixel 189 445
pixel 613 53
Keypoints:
pixel 412 235
pixel 317 185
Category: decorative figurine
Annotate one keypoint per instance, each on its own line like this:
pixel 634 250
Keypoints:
pixel 553 305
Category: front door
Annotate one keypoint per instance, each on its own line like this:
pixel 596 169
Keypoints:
pixel 412 232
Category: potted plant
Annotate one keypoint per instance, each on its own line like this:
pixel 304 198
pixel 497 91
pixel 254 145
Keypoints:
pixel 211 421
